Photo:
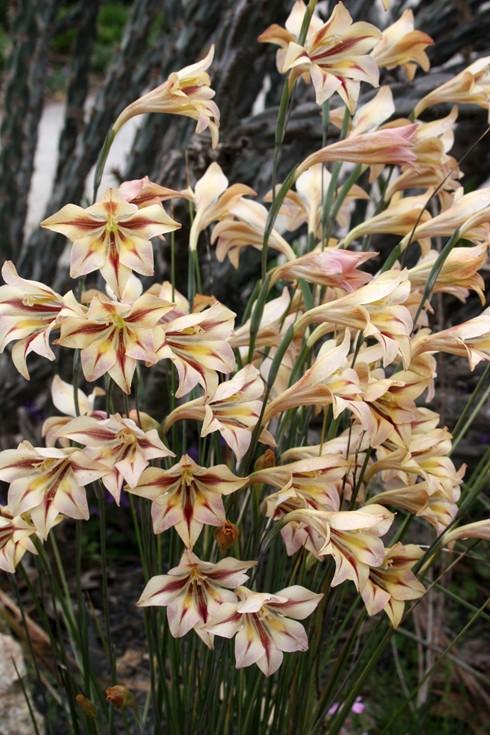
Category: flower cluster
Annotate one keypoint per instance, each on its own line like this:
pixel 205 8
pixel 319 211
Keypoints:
pixel 310 409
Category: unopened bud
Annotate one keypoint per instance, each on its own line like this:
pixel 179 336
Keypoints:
pixel 120 697
pixel 202 301
pixel 86 705
pixel 226 535
pixel 267 459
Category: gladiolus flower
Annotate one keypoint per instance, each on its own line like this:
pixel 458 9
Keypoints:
pixel 306 203
pixel 47 482
pixel 15 538
pixel 471 339
pixel 187 496
pixel 459 273
pixel 213 200
pixel 399 218
pixel 269 332
pixel 334 56
pixel 263 626
pixel 119 443
pixel 375 309
pixel 387 146
pixel 194 591
pixel 329 381
pixel 309 483
pixel 246 229
pixel 28 312
pixel 112 236
pixel 440 511
pixel 412 498
pixel 112 336
pixel 393 583
pixel 233 410
pixel 479 529
pixel 351 537
pixel 62 395
pixel 197 344
pixel 330 267
pixel 369 116
pixel 401 45
pixel 186 92
pixel 469 87
pixel 469 213
pixel 144 192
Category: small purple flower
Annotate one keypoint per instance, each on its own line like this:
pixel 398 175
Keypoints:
pixel 358 707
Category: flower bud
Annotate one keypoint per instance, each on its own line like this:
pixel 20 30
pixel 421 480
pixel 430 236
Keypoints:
pixel 267 459
pixel 120 697
pixel 226 535
pixel 86 705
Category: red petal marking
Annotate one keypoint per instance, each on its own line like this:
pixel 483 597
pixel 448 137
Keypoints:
pixel 85 224
pixel 43 308
pixel 201 601
pixel 339 48
pixel 88 328
pixel 175 584
pixel 137 222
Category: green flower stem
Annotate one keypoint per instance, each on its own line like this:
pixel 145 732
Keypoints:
pixel 99 491
pixel 102 160
pixel 464 422
pixel 434 273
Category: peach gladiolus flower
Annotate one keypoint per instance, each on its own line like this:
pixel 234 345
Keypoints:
pixel 186 92
pixel 47 482
pixel 112 236
pixel 478 529
pixel 334 56
pixel 269 332
pixel 62 395
pixel 386 146
pixel 197 344
pixel 330 267
pixel 329 381
pixel 393 583
pixel 306 203
pixel 375 309
pixel 120 444
pixel 412 498
pixel 213 200
pixel 15 538
pixel 369 116
pixel 401 45
pixel 242 227
pixel 265 625
pixel 351 537
pixel 144 192
pixel 28 312
pixel 470 87
pixel 187 496
pixel 439 512
pixel 471 339
pixel 459 273
pixel 470 213
pixel 233 410
pixel 194 591
pixel 399 218
pixel 111 335
pixel 309 483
